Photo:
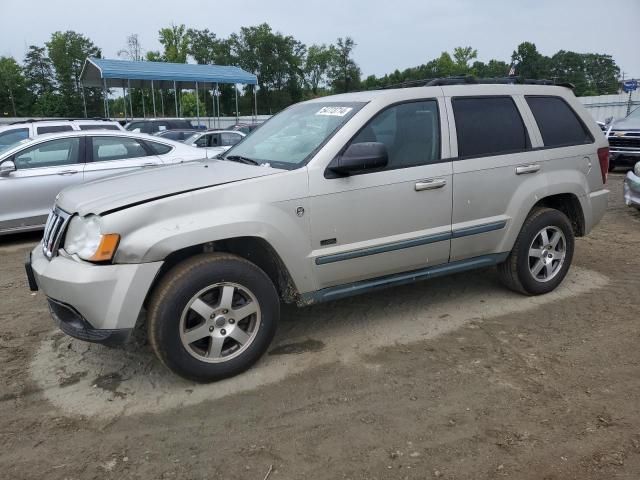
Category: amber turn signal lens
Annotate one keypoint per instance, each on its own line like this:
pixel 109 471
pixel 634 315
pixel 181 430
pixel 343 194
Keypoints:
pixel 107 248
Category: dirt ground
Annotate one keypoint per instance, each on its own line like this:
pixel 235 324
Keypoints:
pixel 452 379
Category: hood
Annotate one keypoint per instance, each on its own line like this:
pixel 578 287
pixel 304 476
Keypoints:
pixel 628 123
pixel 141 186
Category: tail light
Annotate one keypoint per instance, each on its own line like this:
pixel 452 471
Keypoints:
pixel 603 157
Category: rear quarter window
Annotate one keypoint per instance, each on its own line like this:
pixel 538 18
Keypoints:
pixel 159 148
pixel 559 124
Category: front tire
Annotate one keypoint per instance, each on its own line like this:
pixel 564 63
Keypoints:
pixel 212 316
pixel 542 254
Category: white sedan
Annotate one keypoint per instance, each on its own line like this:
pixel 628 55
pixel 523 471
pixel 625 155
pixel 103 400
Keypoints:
pixel 33 171
pixel 214 142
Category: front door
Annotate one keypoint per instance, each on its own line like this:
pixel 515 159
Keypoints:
pixel 397 219
pixel 42 170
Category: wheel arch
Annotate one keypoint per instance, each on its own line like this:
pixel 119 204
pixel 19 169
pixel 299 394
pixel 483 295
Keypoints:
pixel 254 249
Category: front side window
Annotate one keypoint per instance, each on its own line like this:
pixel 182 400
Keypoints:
pixel 64 151
pixel 54 129
pixel 410 131
pixel 489 126
pixel 290 138
pixel 116 148
pixel 559 125
pixel 11 137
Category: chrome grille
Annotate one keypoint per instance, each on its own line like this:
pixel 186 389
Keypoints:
pixel 54 231
pixel 628 140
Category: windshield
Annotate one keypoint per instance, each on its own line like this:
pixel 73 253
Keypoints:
pixel 191 138
pixel 290 138
pixel 635 114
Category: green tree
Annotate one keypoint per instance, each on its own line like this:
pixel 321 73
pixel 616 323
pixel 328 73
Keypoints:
pixel 68 52
pixel 38 72
pixel 529 62
pixel 316 66
pixel 13 92
pixel 462 56
pixel 175 41
pixel 492 69
pixel 344 73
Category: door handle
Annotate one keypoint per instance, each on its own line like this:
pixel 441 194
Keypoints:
pixel 144 165
pixel 68 172
pixel 431 184
pixel 524 169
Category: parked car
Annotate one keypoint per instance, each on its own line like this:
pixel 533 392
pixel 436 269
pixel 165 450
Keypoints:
pixel 176 135
pixel 15 132
pixel 332 197
pixel 245 128
pixel 624 140
pixel 152 125
pixel 214 141
pixel 631 187
pixel 34 171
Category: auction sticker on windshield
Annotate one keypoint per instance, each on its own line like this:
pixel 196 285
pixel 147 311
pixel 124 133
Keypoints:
pixel 334 111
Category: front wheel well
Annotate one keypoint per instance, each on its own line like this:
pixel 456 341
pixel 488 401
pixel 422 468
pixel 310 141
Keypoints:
pixel 568 204
pixel 254 249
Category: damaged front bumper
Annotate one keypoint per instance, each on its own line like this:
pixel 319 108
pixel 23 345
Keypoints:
pixel 631 190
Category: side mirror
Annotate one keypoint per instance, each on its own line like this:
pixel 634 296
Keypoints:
pixel 7 167
pixel 360 157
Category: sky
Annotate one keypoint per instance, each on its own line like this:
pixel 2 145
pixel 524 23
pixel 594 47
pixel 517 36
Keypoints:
pixel 389 34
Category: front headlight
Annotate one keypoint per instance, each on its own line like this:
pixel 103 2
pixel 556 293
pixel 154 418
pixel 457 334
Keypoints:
pixel 85 238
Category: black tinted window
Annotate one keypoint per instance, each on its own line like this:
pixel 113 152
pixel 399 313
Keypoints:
pixel 558 123
pixel 410 131
pixel 159 148
pixel 488 126
pixel 54 128
pixel 99 127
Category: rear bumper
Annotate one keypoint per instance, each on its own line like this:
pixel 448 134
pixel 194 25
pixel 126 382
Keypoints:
pixel 87 297
pixel 631 189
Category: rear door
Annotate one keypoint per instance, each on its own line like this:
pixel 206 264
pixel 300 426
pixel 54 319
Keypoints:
pixel 42 170
pixel 493 145
pixel 110 155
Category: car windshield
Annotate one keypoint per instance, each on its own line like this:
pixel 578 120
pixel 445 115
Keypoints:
pixel 290 138
pixel 191 138
pixel 635 114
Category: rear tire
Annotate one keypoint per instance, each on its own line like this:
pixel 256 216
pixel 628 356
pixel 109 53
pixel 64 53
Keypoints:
pixel 542 254
pixel 212 316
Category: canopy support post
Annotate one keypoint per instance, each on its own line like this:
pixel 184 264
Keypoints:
pixel 255 103
pixel 162 102
pixel 124 101
pixel 84 100
pixel 106 98
pixel 153 94
pixel 218 103
pixel 213 104
pixel 175 97
pixel 235 86
pixel 144 112
pixel 130 101
pixel 197 105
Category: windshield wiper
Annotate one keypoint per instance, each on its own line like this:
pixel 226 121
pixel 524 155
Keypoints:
pixel 241 159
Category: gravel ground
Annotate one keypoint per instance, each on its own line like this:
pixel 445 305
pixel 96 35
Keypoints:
pixel 454 379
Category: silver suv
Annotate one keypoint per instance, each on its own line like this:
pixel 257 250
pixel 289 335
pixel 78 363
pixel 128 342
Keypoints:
pixel 332 197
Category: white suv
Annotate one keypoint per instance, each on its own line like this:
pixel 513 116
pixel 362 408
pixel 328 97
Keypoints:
pixel 15 132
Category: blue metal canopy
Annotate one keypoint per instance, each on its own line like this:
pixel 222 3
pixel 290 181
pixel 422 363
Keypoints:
pixel 99 72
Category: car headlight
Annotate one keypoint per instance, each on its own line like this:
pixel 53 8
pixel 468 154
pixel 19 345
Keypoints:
pixel 85 238
pixel 636 169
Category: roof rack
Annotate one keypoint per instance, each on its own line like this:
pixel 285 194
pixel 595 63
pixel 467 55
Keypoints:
pixel 471 80
pixel 70 119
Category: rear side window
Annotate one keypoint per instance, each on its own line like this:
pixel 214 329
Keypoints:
pixel 99 127
pixel 489 126
pixel 559 125
pixel 54 129
pixel 229 139
pixel 159 148
pixel 116 148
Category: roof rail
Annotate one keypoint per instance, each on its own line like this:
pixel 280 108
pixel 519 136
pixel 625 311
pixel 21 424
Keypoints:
pixel 70 119
pixel 472 80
